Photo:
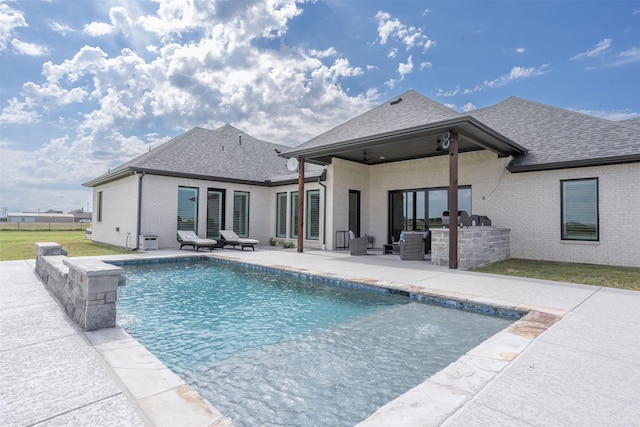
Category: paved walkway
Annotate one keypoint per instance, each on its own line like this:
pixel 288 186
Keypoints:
pixel 582 370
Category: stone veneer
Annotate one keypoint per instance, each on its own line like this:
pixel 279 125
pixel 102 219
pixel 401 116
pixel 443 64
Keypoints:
pixel 477 246
pixel 87 289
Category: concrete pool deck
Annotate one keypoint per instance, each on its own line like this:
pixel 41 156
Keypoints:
pixel 582 370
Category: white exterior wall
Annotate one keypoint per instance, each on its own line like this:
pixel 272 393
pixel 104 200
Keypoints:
pixel 119 213
pixel 343 176
pixel 269 211
pixel 160 209
pixel 527 203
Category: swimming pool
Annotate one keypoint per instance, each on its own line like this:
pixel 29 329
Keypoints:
pixel 270 349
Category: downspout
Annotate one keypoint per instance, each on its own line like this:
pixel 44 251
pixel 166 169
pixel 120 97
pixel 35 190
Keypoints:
pixel 324 216
pixel 139 226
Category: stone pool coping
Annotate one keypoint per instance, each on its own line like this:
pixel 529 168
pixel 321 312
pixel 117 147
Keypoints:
pixel 430 403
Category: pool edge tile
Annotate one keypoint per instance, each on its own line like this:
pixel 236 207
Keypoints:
pixel 182 405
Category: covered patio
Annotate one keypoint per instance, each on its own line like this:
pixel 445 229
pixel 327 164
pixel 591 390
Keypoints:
pixel 407 128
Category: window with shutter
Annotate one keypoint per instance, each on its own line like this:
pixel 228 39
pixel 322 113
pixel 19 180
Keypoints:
pixel 215 212
pixel 241 213
pixel 281 215
pixel 313 215
pixel 294 214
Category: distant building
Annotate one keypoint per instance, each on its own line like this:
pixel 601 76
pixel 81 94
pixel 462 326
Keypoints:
pixel 51 215
pixel 31 217
pixel 80 214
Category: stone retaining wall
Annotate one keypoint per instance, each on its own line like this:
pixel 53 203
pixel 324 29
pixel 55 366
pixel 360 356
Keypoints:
pixel 86 288
pixel 477 246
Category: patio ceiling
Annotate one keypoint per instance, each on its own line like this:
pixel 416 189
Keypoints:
pixel 412 143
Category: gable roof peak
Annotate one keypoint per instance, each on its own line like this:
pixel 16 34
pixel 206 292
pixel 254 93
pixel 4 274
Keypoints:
pixel 409 109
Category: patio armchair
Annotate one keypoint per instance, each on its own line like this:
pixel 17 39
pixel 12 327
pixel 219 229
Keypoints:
pixel 412 246
pixel 357 245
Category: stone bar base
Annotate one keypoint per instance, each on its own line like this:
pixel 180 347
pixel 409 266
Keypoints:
pixel 477 246
pixel 86 288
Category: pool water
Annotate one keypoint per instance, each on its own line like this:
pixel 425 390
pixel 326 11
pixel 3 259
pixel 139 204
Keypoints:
pixel 270 349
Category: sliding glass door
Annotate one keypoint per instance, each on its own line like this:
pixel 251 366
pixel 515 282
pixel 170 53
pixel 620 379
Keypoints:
pixel 418 210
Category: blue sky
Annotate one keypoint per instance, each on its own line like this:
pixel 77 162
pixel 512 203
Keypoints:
pixel 87 85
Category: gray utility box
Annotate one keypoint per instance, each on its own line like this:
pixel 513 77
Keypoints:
pixel 147 242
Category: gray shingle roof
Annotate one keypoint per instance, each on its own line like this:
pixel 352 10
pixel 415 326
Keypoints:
pixel 224 154
pixel 635 123
pixel 559 138
pixel 412 110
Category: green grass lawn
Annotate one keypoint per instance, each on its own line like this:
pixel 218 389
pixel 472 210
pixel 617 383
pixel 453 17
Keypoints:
pixel 597 275
pixel 21 244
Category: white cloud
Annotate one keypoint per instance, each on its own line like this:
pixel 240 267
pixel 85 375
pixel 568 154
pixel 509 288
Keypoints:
pixel 119 22
pixel 425 65
pixel 517 73
pixel 393 53
pixel 409 36
pixel 18 112
pixel 246 19
pixel 97 29
pixel 449 93
pixel 283 94
pixel 61 28
pixel 10 19
pixel 623 58
pixel 468 107
pixel 323 53
pixel 428 45
pixel 602 47
pixel 28 49
pixel 519 50
pixel 120 19
pixel 407 68
pixel 386 27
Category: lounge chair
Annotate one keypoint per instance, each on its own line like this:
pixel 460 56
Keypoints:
pixel 229 237
pixel 189 238
pixel 357 245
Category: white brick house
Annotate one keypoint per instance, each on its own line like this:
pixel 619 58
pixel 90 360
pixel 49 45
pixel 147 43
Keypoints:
pixel 516 161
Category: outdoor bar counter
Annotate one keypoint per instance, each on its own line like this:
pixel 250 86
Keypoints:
pixel 477 246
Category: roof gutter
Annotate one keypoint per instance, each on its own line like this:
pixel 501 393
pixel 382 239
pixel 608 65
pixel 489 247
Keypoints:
pixel 605 161
pixel 379 139
pixel 133 170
